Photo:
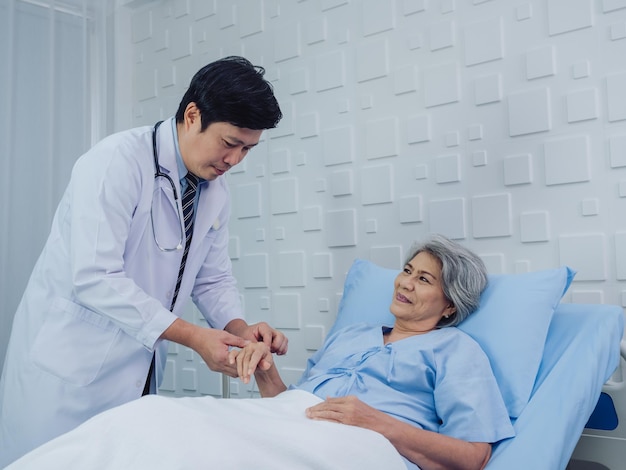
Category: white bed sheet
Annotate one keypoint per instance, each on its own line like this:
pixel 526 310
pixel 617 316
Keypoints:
pixel 196 433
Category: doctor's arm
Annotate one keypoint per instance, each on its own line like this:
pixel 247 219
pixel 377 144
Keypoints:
pixel 217 298
pixel 211 344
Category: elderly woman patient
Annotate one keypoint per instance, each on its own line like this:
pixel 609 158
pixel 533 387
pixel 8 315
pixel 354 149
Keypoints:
pixel 423 384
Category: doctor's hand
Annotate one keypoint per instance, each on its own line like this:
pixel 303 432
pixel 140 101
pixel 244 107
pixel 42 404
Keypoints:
pixel 211 344
pixel 261 332
pixel 249 358
pixel 215 350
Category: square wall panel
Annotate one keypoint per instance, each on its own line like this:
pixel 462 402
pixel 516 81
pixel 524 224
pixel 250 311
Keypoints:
pixel 448 168
pixel 338 146
pixel 291 269
pixel 372 61
pixel 286 311
pixel 569 15
pixel 287 42
pixel 247 200
pixel 314 337
pixel 390 257
pixel 540 62
pixel 579 296
pixel 410 209
pixel 494 262
pixel 322 265
pixel 483 41
pixel 582 105
pixel 442 35
pixel 284 196
pixel 405 80
pixel 341 228
pixel 252 22
pixel 534 226
pixel 311 218
pixel 567 160
pixel 617 151
pixel 381 138
pixel 518 169
pixel 447 216
pixel 255 270
pixel 491 216
pixel 418 129
pixel 529 112
pixel 488 89
pixel 620 255
pixel 586 254
pixel 377 16
pixel 441 84
pixel 376 185
pixel 329 70
pixel 341 183
pixel 616 97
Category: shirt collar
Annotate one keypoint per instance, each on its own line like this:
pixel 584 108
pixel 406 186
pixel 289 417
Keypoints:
pixel 182 169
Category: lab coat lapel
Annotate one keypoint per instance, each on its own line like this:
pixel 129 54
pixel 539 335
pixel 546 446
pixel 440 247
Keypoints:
pixel 167 153
pixel 210 204
pixel 168 164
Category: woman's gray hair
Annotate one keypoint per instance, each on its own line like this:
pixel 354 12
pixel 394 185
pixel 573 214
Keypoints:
pixel 463 275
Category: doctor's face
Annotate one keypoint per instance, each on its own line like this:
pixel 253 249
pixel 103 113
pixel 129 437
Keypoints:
pixel 212 152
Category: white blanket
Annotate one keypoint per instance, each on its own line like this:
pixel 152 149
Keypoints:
pixel 207 433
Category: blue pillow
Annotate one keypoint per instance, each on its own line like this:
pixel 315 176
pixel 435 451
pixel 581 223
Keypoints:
pixel 511 323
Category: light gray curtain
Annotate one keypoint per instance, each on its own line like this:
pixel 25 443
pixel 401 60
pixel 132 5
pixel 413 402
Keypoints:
pixel 45 124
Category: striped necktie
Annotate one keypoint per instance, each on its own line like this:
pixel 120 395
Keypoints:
pixel 188 203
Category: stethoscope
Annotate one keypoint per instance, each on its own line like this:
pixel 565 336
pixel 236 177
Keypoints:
pixel 159 174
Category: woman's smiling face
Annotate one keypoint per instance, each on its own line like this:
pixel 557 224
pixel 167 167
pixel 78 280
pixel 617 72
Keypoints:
pixel 418 300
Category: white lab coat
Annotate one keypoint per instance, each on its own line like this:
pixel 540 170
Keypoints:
pixel 99 295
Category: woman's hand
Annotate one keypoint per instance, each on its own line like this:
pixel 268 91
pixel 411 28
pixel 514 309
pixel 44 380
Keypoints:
pixel 427 449
pixel 346 410
pixel 249 358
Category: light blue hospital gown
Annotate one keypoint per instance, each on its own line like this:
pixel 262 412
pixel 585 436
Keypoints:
pixel 440 381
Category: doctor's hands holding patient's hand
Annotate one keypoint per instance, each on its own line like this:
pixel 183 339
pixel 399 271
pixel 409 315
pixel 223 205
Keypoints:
pixel 251 357
pixel 260 332
pixel 256 358
pixel 211 344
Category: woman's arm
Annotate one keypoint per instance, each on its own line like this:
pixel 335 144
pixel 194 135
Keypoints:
pixel 257 359
pixel 429 450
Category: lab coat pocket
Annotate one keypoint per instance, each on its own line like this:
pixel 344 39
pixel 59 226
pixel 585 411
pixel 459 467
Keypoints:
pixel 73 342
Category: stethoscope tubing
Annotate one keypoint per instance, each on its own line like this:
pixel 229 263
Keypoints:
pixel 158 173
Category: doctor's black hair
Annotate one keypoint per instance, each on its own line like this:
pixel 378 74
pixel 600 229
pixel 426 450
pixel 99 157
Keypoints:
pixel 232 90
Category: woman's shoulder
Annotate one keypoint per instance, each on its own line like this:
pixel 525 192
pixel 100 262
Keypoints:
pixel 459 338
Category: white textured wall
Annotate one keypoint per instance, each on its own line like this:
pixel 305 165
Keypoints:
pixel 500 124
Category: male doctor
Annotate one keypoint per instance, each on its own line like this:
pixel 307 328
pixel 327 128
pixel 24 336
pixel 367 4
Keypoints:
pixel 141 227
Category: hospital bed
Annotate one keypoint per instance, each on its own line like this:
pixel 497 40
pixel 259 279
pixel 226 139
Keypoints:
pixel 602 445
pixel 550 359
pixel 567 352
